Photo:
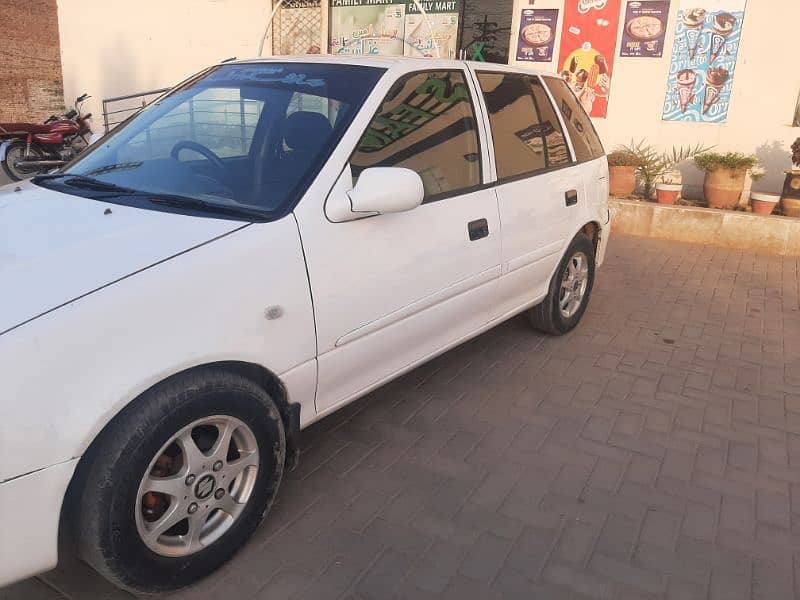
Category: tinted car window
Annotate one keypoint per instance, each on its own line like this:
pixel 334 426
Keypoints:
pixel 427 124
pixel 218 118
pixel 516 130
pixel 579 126
pixel 248 136
pixel 555 142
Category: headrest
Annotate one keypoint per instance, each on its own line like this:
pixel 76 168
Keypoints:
pixel 307 131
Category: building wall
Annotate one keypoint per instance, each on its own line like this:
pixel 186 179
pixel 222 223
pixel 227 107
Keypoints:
pixel 765 90
pixel 30 67
pixel 115 47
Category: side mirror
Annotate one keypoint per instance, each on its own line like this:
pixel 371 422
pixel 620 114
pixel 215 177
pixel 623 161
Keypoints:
pixel 379 190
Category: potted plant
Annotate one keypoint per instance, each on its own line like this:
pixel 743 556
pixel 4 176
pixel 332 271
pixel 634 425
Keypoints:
pixel 659 170
pixel 725 176
pixel 790 201
pixel 622 166
pixel 669 181
pixel 764 203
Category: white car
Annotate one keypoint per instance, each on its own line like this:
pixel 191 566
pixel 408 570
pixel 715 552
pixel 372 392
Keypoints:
pixel 260 246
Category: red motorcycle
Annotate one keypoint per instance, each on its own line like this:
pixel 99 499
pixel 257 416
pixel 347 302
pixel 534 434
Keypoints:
pixel 27 149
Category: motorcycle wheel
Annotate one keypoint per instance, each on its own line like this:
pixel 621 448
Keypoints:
pixel 16 152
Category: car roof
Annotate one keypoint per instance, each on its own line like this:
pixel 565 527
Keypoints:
pixel 386 62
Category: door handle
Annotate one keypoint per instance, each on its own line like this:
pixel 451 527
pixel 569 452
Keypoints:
pixel 571 197
pixel 478 229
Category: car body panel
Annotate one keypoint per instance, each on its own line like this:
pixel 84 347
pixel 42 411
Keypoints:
pixel 202 306
pixel 30 507
pixel 56 247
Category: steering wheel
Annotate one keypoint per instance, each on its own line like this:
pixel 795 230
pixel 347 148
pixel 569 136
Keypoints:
pixel 200 149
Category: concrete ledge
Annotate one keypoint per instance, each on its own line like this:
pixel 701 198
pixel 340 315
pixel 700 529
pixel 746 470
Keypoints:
pixel 723 228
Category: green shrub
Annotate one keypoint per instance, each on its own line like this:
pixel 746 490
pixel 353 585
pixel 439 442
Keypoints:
pixel 624 158
pixel 711 161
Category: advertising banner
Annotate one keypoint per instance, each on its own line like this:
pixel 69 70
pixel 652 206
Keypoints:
pixel 645 28
pixel 394 28
pixel 442 19
pixel 700 79
pixel 586 55
pixel 537 34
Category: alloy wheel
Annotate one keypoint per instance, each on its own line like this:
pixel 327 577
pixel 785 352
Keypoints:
pixel 197 486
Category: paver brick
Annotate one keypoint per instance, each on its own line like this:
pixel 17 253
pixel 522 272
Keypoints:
pixel 654 452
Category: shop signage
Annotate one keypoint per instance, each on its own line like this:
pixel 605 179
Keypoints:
pixel 704 55
pixel 586 54
pixel 537 34
pixel 392 28
pixel 645 28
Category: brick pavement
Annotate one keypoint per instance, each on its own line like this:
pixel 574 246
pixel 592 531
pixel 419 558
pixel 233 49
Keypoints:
pixel 652 453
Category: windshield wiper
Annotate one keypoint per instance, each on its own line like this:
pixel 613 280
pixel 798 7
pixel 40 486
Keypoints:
pixel 114 167
pixel 109 190
pixel 198 204
pixel 81 181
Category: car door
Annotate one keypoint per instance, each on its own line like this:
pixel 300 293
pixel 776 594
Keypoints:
pixel 537 187
pixel 392 290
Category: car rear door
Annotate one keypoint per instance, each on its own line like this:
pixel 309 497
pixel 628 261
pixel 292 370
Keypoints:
pixel 391 290
pixel 538 185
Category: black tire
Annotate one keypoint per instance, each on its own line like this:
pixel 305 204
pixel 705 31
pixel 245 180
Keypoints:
pixel 107 533
pixel 12 152
pixel 547 316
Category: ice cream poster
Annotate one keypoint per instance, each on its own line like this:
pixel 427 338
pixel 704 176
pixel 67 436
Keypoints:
pixel 645 28
pixel 700 79
pixel 537 34
pixel 586 53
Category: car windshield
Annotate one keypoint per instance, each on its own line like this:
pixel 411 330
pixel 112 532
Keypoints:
pixel 246 137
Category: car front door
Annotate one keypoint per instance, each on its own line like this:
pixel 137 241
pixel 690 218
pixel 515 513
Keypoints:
pixel 538 186
pixel 394 289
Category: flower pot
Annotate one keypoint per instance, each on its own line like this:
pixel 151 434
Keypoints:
pixel 790 207
pixel 622 181
pixel 723 187
pixel 763 204
pixel 667 193
pixel 790 202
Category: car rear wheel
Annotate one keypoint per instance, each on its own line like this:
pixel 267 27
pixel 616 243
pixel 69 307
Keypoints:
pixel 180 480
pixel 569 291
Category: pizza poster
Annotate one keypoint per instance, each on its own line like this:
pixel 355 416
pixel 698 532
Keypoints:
pixel 707 36
pixel 586 53
pixel 537 34
pixel 645 28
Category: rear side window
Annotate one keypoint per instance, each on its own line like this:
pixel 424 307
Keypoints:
pixel 579 126
pixel 554 140
pixel 427 124
pixel 516 130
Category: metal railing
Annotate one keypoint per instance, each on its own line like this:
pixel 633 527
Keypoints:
pixel 119 108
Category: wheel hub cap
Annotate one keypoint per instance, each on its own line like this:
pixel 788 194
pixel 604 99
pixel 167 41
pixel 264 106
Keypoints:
pixel 205 487
pixel 574 281
pixel 182 506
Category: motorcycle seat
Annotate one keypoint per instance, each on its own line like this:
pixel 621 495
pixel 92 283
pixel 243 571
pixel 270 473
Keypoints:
pixel 24 128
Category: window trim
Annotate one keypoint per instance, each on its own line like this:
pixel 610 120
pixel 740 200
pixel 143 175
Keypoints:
pixel 442 195
pixel 512 178
pixel 566 129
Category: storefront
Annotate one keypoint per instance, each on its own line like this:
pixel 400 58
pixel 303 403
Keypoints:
pixel 475 29
pixel 670 72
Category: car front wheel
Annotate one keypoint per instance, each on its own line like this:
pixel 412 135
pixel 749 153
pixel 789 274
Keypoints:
pixel 180 480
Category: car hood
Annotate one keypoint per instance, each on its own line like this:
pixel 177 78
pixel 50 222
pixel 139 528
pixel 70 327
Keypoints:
pixel 56 247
